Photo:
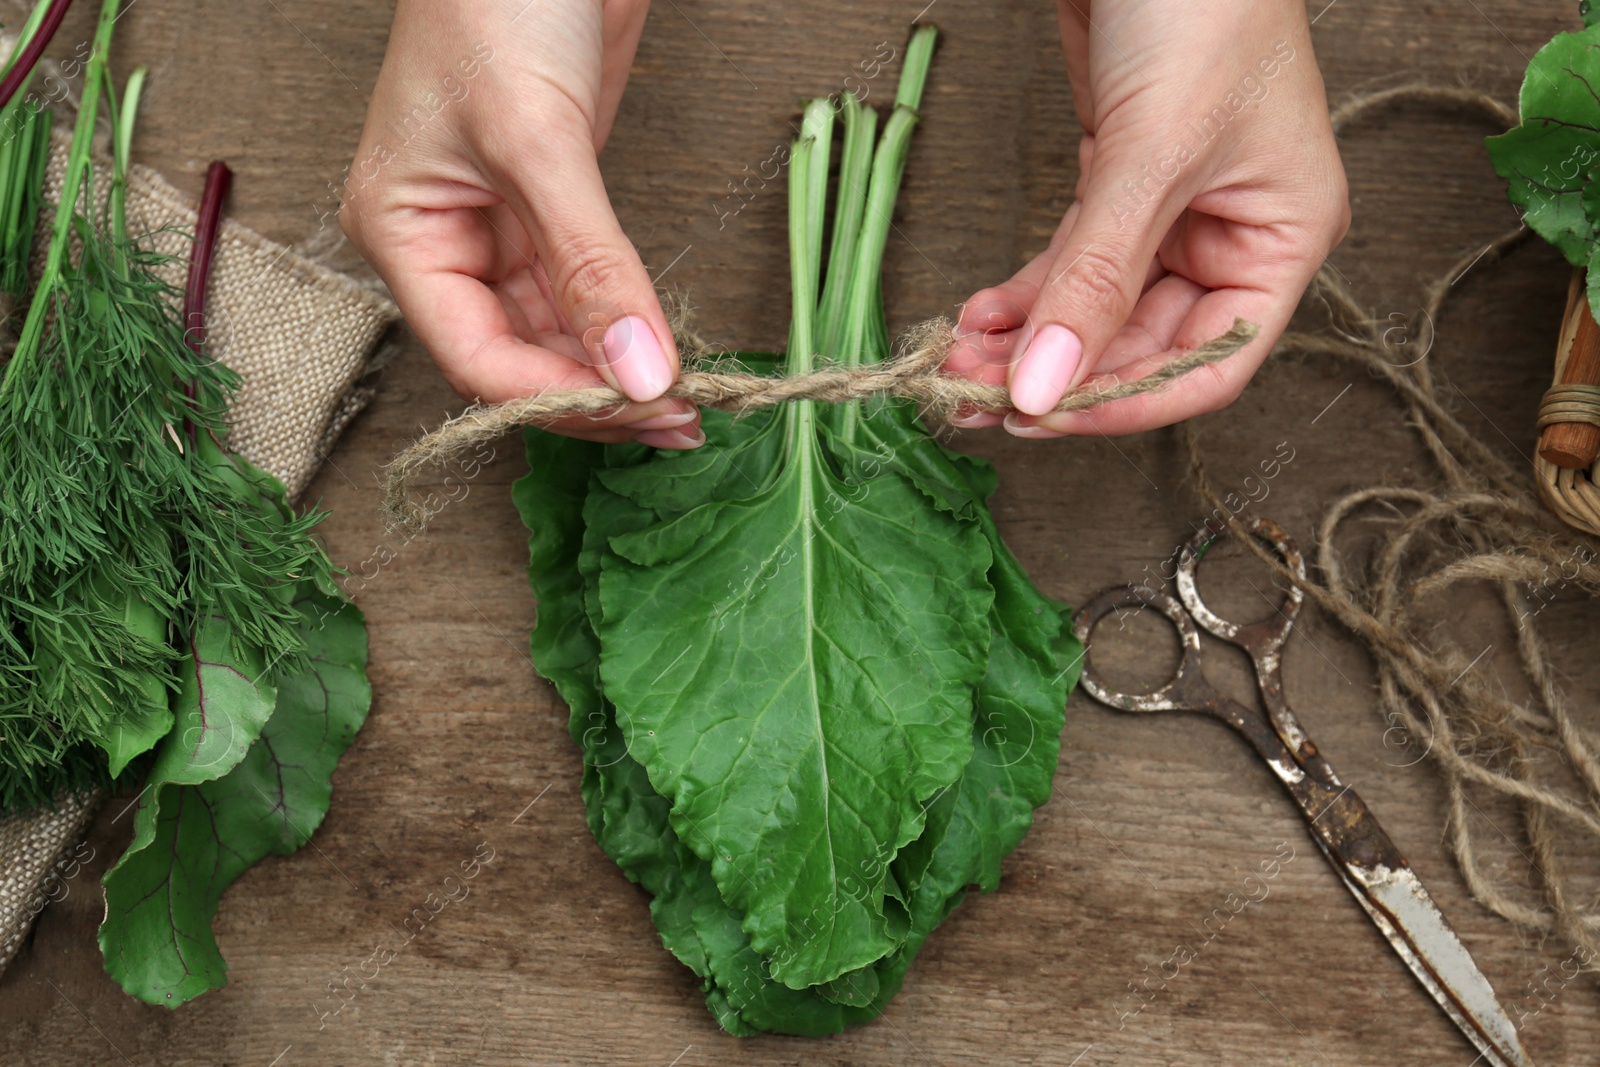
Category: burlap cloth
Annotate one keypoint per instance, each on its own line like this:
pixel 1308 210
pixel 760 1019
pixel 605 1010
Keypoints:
pixel 301 336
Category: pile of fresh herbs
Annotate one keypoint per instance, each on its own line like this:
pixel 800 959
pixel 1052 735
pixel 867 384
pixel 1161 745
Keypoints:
pixel 1551 159
pixel 167 618
pixel 817 697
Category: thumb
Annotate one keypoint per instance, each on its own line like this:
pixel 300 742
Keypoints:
pixel 1099 270
pixel 596 278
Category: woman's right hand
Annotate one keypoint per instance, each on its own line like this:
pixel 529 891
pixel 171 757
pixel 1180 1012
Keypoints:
pixel 476 194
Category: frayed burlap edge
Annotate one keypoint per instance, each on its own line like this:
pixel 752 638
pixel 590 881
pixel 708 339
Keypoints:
pixel 35 850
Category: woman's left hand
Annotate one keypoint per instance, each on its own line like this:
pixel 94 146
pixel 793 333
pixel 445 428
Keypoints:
pixel 1210 189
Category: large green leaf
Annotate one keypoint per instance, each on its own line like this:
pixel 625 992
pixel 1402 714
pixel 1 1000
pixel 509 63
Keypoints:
pixel 140 728
pixel 969 828
pixel 550 499
pixel 629 818
pixel 1551 157
pixel 207 815
pixel 1033 663
pixel 794 667
pixel 827 699
pixel 218 712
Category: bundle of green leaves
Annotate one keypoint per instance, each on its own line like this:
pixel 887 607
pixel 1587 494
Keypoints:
pixel 164 614
pixel 1551 159
pixel 817 697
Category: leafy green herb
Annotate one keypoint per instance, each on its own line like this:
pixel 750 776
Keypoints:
pixel 124 523
pixel 1551 160
pixel 817 697
pixel 163 611
pixel 245 775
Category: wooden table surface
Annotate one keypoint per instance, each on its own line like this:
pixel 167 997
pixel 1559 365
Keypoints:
pixel 552 958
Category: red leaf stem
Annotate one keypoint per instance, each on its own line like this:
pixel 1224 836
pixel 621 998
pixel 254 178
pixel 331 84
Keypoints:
pixel 30 55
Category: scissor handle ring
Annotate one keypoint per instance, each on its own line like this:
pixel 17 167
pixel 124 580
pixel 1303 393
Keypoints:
pixel 1267 633
pixel 1186 690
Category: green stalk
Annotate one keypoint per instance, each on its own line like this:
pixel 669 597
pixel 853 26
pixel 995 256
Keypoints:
pixel 124 117
pixel 24 140
pixel 23 157
pixel 855 167
pixel 914 74
pixel 863 317
pixel 864 335
pixel 798 359
pixel 9 165
pixel 122 151
pixel 77 164
pixel 29 28
pixel 21 151
pixel 808 186
pixel 818 124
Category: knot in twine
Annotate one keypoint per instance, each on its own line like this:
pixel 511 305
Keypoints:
pixel 913 375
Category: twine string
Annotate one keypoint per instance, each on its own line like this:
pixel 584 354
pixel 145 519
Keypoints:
pixel 1484 524
pixel 913 375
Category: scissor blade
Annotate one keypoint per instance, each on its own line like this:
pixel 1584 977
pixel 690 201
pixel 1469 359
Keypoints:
pixel 1401 908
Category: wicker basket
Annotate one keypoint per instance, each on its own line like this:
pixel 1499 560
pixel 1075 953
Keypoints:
pixel 1572 494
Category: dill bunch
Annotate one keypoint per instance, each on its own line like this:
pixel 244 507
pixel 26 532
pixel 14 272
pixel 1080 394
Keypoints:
pixel 124 521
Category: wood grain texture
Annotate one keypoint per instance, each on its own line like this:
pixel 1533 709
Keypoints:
pixel 551 959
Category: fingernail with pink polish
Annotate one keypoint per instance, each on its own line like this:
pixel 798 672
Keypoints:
pixel 669 421
pixel 1020 429
pixel 636 359
pixel 1045 369
pixel 671 439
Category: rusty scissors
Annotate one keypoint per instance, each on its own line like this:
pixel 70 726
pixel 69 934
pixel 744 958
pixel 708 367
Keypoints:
pixel 1349 835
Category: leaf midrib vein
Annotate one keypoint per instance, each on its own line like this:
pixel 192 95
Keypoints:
pixel 806 518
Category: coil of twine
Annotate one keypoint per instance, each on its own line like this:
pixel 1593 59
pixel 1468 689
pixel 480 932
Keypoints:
pixel 1482 524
